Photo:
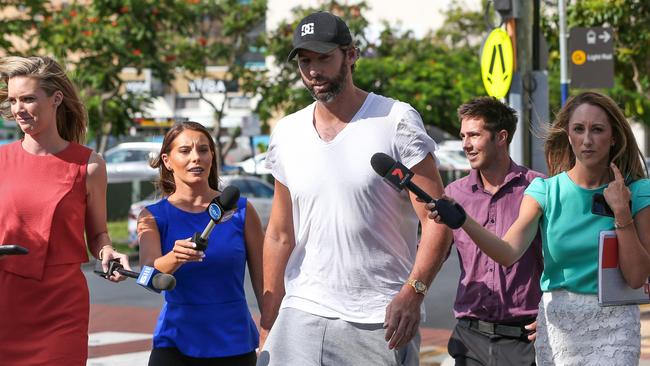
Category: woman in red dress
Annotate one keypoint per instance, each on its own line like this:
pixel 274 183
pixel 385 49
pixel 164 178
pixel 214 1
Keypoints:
pixel 52 189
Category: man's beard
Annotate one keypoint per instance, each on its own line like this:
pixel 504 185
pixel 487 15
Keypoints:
pixel 335 85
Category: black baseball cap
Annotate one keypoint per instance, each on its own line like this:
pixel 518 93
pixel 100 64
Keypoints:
pixel 320 32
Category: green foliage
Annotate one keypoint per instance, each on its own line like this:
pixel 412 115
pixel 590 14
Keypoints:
pixel 434 74
pixel 118 231
pixel 630 22
pixel 98 39
pixel 431 76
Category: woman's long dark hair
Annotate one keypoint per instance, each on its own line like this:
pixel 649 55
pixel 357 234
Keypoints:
pixel 166 177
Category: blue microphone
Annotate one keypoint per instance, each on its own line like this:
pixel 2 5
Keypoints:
pixel 153 280
pixel 221 209
pixel 149 278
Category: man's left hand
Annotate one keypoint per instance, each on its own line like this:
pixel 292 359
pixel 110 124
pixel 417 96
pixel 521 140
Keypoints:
pixel 403 317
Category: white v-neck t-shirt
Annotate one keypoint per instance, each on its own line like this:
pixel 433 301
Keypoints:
pixel 356 236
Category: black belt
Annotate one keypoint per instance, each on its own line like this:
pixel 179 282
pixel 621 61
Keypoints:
pixel 512 331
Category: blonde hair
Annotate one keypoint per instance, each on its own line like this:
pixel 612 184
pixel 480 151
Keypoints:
pixel 625 153
pixel 71 116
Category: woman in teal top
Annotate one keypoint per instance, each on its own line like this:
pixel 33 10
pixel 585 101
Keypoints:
pixel 589 149
pixel 205 320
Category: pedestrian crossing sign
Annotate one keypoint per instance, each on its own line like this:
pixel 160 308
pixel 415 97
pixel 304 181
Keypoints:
pixel 497 63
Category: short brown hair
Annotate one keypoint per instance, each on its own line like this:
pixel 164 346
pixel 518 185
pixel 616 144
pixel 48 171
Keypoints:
pixel 497 116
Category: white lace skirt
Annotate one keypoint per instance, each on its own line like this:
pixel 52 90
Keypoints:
pixel 572 329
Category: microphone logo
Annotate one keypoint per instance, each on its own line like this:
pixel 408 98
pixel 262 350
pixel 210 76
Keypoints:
pixel 215 212
pixel 398 176
pixel 145 275
pixel 398 173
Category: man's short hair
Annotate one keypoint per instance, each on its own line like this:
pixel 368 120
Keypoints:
pixel 497 116
pixel 320 32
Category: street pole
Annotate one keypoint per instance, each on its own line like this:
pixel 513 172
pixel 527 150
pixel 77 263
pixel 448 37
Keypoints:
pixel 523 82
pixel 564 78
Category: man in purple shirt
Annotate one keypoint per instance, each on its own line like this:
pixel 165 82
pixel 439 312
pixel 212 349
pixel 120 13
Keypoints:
pixel 495 306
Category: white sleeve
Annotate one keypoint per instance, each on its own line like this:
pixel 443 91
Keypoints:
pixel 273 161
pixel 412 141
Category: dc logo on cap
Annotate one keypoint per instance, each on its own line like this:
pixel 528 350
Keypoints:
pixel 307 29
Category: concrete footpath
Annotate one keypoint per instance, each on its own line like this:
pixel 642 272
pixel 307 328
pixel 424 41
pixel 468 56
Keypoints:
pixel 121 336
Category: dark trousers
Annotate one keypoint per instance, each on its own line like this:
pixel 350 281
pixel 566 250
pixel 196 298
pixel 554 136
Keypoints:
pixel 172 357
pixel 470 347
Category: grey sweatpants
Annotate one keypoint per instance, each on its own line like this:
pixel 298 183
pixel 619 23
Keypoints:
pixel 303 339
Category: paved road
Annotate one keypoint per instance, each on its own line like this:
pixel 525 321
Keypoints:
pixel 438 302
pixel 123 317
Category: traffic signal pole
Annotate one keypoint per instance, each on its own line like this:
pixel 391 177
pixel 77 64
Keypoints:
pixel 564 78
pixel 529 90
pixel 519 96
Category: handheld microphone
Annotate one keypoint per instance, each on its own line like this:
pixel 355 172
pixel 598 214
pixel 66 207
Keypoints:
pixel 12 249
pixel 153 280
pixel 399 177
pixel 221 209
pixel 149 278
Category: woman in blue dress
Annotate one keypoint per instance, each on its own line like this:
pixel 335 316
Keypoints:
pixel 205 320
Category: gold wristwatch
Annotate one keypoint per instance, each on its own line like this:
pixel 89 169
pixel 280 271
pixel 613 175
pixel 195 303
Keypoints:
pixel 418 286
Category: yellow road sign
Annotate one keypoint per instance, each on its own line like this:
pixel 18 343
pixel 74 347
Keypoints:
pixel 497 62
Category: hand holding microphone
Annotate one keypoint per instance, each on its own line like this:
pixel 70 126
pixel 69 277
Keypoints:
pixel 221 209
pixel 399 177
pixel 149 278
pixel 107 254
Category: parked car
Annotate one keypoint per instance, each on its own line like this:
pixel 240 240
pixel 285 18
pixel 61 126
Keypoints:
pixel 453 160
pixel 129 161
pixel 452 156
pixel 258 192
pixel 254 165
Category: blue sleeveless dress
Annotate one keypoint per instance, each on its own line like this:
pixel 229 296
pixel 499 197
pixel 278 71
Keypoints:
pixel 206 315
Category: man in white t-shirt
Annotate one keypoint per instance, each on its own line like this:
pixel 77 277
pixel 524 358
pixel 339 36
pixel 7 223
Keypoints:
pixel 344 277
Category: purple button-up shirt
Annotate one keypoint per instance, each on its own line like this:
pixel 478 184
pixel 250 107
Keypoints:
pixel 487 290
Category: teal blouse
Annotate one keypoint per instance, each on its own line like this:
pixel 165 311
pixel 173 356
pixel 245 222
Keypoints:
pixel 570 232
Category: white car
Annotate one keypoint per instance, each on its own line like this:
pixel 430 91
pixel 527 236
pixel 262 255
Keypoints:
pixel 129 161
pixel 452 156
pixel 256 190
pixel 254 165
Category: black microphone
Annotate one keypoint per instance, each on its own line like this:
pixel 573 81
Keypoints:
pixel 149 278
pixel 221 209
pixel 399 177
pixel 12 249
